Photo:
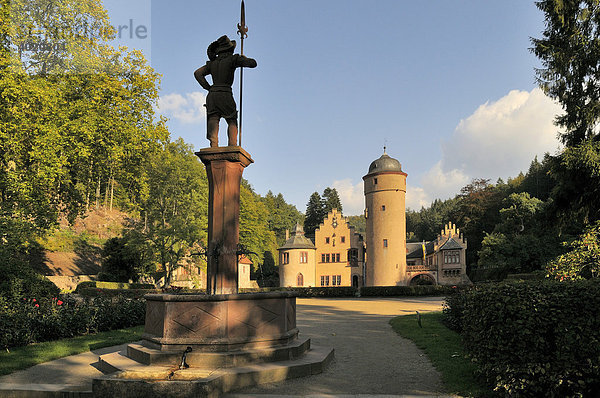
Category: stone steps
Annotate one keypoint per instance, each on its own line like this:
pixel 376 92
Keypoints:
pixel 155 381
pixel 215 360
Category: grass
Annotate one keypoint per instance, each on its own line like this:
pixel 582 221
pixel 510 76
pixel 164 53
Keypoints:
pixel 444 349
pixel 24 357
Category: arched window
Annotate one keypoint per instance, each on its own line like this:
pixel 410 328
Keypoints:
pixel 300 280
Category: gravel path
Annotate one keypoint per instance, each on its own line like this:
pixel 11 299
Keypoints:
pixel 370 358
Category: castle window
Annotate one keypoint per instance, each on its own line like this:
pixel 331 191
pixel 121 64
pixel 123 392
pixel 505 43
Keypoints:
pixel 336 280
pixel 382 207
pixel 452 257
pixel 324 280
pixel 303 257
pixel 322 258
pixel 327 240
pixel 285 258
pixel 343 238
pixel 337 257
pixel 327 258
pixel 385 243
pixel 300 280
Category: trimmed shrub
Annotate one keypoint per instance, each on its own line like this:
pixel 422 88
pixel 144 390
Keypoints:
pixel 531 338
pixel 112 285
pixel 19 280
pixel 341 291
pixel 419 290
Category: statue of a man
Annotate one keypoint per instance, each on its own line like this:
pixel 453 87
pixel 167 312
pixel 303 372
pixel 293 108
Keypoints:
pixel 219 102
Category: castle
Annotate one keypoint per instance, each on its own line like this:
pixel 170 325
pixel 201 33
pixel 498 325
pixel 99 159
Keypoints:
pixel 341 257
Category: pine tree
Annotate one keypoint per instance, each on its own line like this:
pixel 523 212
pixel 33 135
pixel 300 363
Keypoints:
pixel 314 214
pixel 330 201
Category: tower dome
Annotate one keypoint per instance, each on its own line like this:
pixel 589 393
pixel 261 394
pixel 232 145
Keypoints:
pixel 384 163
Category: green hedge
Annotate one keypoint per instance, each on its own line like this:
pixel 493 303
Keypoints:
pixel 28 321
pixel 129 293
pixel 342 291
pixel 532 338
pixel 112 285
pixel 420 290
pixel 346 291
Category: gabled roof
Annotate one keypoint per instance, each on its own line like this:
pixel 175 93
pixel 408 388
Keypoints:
pixel 451 244
pixel 415 249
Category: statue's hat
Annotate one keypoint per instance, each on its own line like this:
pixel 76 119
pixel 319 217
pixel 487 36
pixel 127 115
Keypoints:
pixel 224 44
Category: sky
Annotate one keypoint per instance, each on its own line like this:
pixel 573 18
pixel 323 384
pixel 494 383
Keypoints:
pixel 447 86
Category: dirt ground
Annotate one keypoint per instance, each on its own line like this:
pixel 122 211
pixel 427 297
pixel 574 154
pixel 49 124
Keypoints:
pixel 370 358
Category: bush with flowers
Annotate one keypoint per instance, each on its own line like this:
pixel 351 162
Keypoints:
pixel 31 320
pixel 532 338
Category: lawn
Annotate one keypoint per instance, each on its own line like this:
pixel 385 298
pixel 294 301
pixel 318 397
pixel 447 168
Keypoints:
pixel 24 357
pixel 444 349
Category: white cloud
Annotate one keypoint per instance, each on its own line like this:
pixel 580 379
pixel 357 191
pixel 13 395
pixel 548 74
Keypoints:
pixel 188 109
pixel 351 196
pixel 416 198
pixel 499 139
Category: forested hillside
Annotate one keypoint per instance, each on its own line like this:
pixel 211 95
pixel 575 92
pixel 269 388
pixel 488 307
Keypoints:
pixel 78 132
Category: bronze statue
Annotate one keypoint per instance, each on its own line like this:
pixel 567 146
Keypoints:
pixel 221 66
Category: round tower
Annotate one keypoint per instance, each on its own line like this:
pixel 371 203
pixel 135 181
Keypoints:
pixel 385 191
pixel 297 260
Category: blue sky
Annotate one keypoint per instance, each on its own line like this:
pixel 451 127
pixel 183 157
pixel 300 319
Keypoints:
pixel 447 85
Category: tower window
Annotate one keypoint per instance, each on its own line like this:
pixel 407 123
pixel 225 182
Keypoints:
pixel 285 258
pixel 303 257
pixel 385 244
pixel 375 181
pixel 382 207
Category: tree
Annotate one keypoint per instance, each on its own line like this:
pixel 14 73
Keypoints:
pixel 255 235
pixel 282 216
pixel 174 214
pixel 314 214
pixel 330 200
pixel 570 53
pixel 520 242
pixel 74 122
pixel 583 261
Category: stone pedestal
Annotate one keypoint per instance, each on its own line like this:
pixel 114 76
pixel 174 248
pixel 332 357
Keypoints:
pixel 224 168
pixel 219 323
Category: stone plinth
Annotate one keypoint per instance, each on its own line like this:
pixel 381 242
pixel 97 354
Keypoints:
pixel 219 323
pixel 224 168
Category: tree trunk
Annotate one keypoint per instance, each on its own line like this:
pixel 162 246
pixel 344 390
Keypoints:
pixel 106 193
pixel 112 191
pixel 98 194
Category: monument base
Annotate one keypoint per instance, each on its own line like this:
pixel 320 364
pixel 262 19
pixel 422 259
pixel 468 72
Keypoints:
pixel 237 341
pixel 219 323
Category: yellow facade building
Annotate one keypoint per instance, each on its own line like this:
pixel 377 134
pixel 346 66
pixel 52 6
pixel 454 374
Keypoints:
pixel 340 253
pixel 335 259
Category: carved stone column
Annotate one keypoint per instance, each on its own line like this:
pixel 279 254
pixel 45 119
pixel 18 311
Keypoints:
pixel 224 168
